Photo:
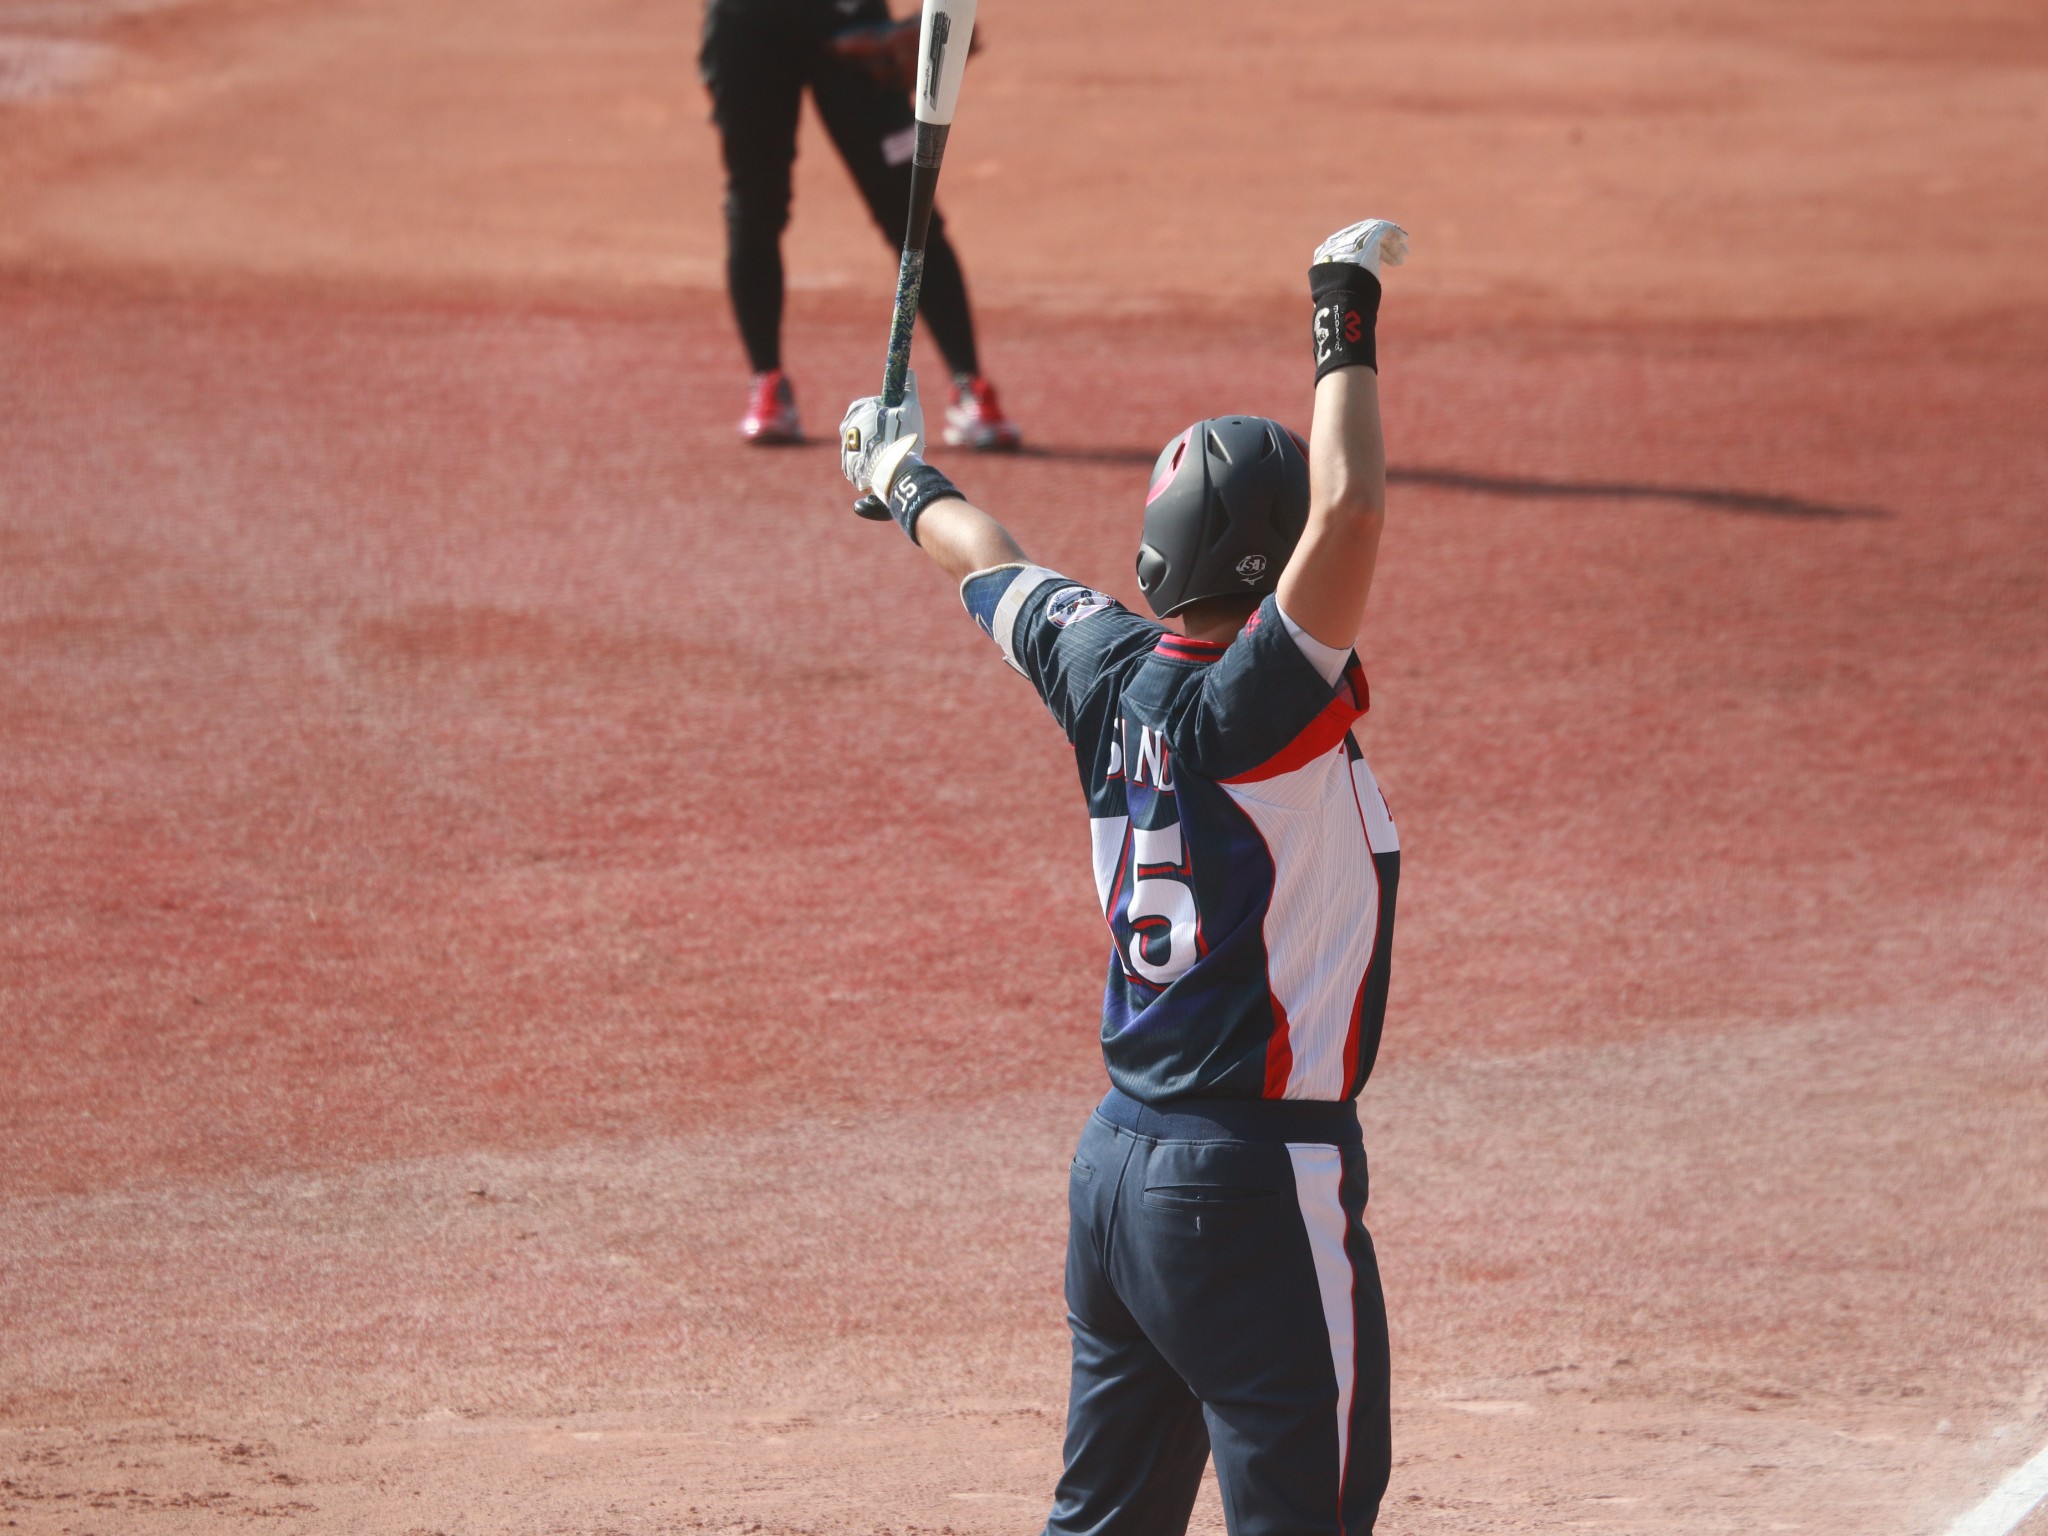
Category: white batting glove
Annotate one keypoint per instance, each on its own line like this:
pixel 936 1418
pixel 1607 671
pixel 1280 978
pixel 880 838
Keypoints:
pixel 874 439
pixel 1365 244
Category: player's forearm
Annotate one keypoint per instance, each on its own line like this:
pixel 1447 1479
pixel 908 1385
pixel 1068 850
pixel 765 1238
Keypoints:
pixel 1326 583
pixel 963 539
pixel 1347 455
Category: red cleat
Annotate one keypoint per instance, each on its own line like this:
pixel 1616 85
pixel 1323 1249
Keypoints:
pixel 975 419
pixel 771 411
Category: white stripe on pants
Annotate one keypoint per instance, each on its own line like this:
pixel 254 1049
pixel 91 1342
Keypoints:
pixel 1318 1182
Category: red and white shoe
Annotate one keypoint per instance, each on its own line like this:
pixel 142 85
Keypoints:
pixel 975 419
pixel 771 411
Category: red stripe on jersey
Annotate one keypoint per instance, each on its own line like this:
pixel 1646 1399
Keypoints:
pixel 1279 1054
pixel 1181 648
pixel 1320 735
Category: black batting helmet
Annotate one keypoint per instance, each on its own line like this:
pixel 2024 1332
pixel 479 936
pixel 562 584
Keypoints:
pixel 1228 502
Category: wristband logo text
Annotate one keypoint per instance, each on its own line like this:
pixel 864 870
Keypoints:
pixel 1335 324
pixel 1326 333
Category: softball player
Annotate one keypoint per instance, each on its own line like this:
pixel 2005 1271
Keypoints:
pixel 757 58
pixel 1221 1286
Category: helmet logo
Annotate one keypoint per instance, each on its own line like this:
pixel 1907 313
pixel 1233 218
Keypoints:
pixel 1252 567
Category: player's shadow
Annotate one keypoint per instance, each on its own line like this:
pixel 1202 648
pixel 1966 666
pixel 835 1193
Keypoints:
pixel 1714 498
pixel 1531 488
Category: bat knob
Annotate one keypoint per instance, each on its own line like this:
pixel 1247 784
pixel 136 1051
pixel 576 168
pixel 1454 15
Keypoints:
pixel 873 508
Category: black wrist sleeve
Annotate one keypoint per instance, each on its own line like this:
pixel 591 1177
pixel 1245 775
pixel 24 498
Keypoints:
pixel 1347 299
pixel 917 486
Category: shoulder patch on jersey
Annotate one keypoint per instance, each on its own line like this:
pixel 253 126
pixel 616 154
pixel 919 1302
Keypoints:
pixel 1070 605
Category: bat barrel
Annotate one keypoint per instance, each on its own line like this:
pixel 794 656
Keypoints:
pixel 943 43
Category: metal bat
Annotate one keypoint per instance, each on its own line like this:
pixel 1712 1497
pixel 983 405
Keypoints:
pixel 943 45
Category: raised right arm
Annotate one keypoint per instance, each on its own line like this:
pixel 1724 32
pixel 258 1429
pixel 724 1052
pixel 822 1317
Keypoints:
pixel 1329 576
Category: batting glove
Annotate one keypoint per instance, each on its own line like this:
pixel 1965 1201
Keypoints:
pixel 1365 244
pixel 1344 282
pixel 875 438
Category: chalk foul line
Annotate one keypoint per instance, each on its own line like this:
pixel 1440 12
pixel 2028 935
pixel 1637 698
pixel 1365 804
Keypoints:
pixel 2010 1502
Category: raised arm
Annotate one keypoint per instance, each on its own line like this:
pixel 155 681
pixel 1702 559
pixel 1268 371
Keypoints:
pixel 964 539
pixel 1329 576
pixel 877 446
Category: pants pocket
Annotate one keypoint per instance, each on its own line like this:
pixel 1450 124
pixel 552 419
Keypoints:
pixel 1207 1210
pixel 1203 1197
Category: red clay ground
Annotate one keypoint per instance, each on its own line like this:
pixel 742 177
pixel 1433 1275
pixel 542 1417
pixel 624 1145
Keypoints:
pixel 547 971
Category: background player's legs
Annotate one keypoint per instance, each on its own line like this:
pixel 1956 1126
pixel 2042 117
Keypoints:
pixel 1136 1441
pixel 873 129
pixel 756 91
pixel 943 299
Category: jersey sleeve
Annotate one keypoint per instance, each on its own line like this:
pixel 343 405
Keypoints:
pixel 1326 659
pixel 1263 709
pixel 1070 641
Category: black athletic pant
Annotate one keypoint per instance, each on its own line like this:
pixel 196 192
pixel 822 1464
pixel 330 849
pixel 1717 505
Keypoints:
pixel 758 56
pixel 1224 1299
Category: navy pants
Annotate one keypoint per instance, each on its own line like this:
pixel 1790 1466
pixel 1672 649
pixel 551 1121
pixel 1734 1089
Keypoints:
pixel 1224 1300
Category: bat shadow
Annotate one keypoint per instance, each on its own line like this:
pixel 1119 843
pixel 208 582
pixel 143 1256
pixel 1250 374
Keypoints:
pixel 1710 498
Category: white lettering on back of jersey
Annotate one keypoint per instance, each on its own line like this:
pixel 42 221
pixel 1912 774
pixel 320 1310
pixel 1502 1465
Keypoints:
pixel 1154 764
pixel 1156 847
pixel 1162 909
pixel 1106 840
pixel 1165 926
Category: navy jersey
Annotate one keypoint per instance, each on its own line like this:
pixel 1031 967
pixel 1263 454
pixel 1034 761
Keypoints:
pixel 1245 859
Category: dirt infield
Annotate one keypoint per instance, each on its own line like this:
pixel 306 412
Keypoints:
pixel 546 973
pixel 1569 158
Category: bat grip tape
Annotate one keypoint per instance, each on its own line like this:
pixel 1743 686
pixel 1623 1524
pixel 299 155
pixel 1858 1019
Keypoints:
pixel 895 373
pixel 930 147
